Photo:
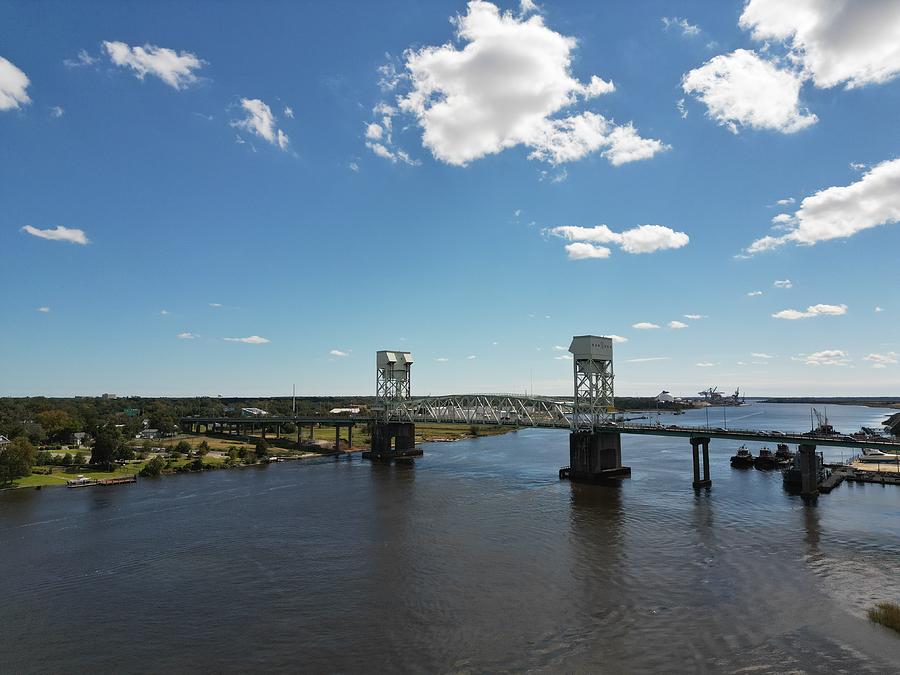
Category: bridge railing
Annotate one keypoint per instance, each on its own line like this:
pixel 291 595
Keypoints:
pixel 500 409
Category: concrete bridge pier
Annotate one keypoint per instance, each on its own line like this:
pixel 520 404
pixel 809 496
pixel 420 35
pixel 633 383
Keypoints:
pixel 809 471
pixel 595 457
pixel 392 440
pixel 696 444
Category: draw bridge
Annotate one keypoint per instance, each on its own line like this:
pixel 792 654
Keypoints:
pixel 595 448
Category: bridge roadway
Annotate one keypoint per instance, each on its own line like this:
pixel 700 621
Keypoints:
pixel 748 435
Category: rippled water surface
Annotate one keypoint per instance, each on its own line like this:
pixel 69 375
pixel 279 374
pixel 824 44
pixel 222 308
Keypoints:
pixel 476 558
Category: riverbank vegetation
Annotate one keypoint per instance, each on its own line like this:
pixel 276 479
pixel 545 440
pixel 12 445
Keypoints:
pixel 887 614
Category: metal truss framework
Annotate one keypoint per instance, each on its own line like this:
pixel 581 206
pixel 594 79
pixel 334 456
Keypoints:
pixel 499 409
pixel 391 387
pixel 594 404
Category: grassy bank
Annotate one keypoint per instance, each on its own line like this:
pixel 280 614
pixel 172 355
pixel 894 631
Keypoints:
pixel 887 614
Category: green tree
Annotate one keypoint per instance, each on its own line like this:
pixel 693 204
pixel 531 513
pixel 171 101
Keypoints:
pixel 262 449
pixel 203 449
pixel 58 424
pixel 16 459
pixel 78 459
pixel 154 467
pixel 106 444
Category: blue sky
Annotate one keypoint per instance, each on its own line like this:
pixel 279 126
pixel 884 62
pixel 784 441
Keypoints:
pixel 216 172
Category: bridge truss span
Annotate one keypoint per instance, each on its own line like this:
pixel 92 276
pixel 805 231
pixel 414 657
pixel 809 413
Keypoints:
pixel 498 409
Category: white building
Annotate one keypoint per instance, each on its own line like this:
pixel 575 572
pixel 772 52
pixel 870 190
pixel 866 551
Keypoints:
pixel 665 397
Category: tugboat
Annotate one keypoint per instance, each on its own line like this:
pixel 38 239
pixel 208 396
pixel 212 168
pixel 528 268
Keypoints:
pixel 766 460
pixel 783 455
pixel 743 459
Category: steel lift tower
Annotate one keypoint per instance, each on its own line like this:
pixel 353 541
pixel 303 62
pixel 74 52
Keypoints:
pixel 594 456
pixel 392 440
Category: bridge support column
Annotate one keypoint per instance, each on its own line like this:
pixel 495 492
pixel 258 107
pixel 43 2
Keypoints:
pixel 809 471
pixel 705 480
pixel 595 457
pixel 392 440
pixel 337 438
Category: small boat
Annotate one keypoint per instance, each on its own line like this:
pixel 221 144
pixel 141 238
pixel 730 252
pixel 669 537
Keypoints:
pixel 793 476
pixel 743 459
pixel 765 460
pixel 875 456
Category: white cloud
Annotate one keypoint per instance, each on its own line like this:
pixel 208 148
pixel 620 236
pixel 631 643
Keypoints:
pixel 741 89
pixel 618 339
pixel 502 88
pixel 13 86
pixel 164 312
pixel 783 283
pixel 837 42
pixel 563 357
pixel 57 111
pixel 857 166
pixel 761 355
pixel 811 311
pixel 83 59
pixel 828 357
pixel 644 325
pixel 677 324
pixel 640 239
pixel 43 310
pixel 842 211
pixel 785 202
pixel 261 121
pixel 559 348
pixel 878 309
pixel 687 29
pixel 354 167
pixel 288 112
pixel 251 340
pixel 882 360
pixel 173 68
pixel 705 364
pixel 471 357
pixel 374 132
pixel 647 359
pixel 215 305
pixel 442 359
pixel 59 233
pixel 782 219
pixel 582 251
pixel 695 317
pixel 187 336
pixel 338 352
pixel 526 7
pixel 754 294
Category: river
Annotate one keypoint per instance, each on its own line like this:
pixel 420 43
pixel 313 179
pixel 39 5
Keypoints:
pixel 475 558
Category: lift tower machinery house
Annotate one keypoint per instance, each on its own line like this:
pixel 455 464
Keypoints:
pixel 393 378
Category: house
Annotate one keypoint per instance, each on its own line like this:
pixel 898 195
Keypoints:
pixel 147 434
pixel 4 441
pixel 79 438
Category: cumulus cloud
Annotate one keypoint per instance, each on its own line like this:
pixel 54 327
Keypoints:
pixel 582 251
pixel 677 324
pixel 251 340
pixel 878 309
pixel 215 305
pixel 13 86
pixel 644 325
pixel 811 311
pixel 57 111
pixel 742 89
pixel 761 355
pixel 695 317
pixel 43 310
pixel 783 283
pixel 59 233
pixel 83 59
pixel 338 352
pixel 503 85
pixel 837 42
pixel 288 112
pixel 785 202
pixel 563 357
pixel 687 28
pixel 882 360
pixel 640 239
pixel 842 211
pixel 261 122
pixel 187 336
pixel 827 357
pixel 754 294
pixel 618 339
pixel 174 68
